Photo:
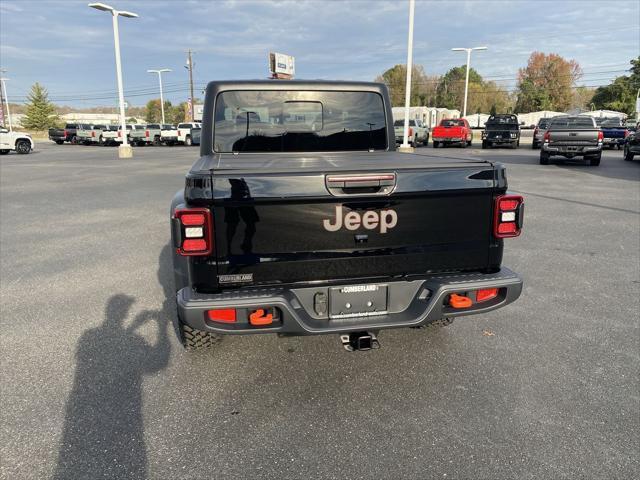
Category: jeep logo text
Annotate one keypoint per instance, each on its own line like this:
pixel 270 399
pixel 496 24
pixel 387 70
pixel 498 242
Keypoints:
pixel 385 220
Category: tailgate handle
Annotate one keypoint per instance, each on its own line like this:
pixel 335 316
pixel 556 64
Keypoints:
pixel 375 183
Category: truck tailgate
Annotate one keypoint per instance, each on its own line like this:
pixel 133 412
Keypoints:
pixel 573 137
pixel 284 225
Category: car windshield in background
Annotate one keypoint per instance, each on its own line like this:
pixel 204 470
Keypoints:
pixel 503 120
pixel 299 121
pixel 453 123
pixel 611 122
pixel 400 123
pixel 543 123
pixel 571 122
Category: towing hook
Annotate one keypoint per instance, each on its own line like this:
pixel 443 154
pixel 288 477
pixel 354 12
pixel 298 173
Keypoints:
pixel 359 341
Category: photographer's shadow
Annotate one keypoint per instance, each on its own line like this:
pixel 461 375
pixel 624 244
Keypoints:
pixel 104 432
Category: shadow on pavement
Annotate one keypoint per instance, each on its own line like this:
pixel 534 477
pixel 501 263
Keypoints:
pixel 103 433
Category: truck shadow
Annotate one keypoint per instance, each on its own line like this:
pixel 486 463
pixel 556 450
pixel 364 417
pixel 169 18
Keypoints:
pixel 103 434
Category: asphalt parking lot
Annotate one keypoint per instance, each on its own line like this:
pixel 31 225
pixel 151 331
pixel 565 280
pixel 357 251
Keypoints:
pixel 96 385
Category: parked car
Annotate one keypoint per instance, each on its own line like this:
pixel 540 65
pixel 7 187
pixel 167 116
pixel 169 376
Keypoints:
pixel 168 134
pixel 109 135
pixel 452 130
pixel 88 134
pixel 185 132
pixel 314 224
pixel 538 132
pixel 114 135
pixel 501 129
pixel 614 132
pixel 66 134
pixel 632 145
pixel 417 134
pixel 21 143
pixel 143 136
pixel 572 136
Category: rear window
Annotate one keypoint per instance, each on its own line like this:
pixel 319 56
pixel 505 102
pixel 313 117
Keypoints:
pixel 611 122
pixel 154 125
pixel 452 123
pixel 299 121
pixel 400 123
pixel 503 120
pixel 543 122
pixel 571 122
pixel 168 127
pixel 184 125
pixel 70 125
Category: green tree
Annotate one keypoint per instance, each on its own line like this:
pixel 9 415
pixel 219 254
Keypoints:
pixel 153 113
pixel 40 113
pixel 547 83
pixel 620 95
pixel 450 90
pixel 423 86
pixel 132 120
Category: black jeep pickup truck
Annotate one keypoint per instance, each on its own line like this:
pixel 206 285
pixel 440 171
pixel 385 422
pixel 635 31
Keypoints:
pixel 300 218
pixel 501 129
pixel 66 134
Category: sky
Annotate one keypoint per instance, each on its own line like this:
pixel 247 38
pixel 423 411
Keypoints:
pixel 68 47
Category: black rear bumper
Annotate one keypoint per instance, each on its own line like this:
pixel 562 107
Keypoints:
pixel 414 302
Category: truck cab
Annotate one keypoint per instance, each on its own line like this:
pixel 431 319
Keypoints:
pixel 301 218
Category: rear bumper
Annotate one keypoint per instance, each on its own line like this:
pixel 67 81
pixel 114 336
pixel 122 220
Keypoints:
pixel 449 139
pixel 569 150
pixel 410 303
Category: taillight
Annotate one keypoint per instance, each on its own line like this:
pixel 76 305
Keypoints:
pixel 179 134
pixel 119 133
pixel 535 131
pixel 626 133
pixel 65 133
pixel 410 132
pixel 547 137
pixel 600 136
pixel 193 232
pixel 93 134
pixel 146 133
pixel 508 216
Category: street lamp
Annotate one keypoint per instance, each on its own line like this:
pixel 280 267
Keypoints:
pixel 466 82
pixel 407 91
pixel 124 150
pixel 3 89
pixel 159 72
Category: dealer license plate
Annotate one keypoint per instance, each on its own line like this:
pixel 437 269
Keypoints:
pixel 357 301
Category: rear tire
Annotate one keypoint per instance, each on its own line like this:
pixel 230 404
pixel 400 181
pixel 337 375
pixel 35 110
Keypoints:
pixel 193 339
pixel 59 142
pixel 156 141
pixel 628 156
pixel 544 158
pixel 595 160
pixel 484 145
pixel 74 140
pixel 23 147
pixel 436 144
pixel 534 146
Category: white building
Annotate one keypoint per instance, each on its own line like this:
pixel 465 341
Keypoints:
pixel 605 114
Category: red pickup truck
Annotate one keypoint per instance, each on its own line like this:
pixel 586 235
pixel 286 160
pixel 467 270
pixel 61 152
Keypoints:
pixel 452 130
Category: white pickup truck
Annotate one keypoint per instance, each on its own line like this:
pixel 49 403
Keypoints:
pixel 185 136
pixel 168 134
pixel 88 134
pixel 113 135
pixel 19 142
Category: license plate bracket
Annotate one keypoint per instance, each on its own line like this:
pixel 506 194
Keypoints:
pixel 358 300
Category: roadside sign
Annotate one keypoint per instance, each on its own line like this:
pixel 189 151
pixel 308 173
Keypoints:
pixel 281 65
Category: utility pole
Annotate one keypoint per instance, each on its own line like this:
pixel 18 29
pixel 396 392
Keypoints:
pixel 3 91
pixel 405 147
pixel 2 70
pixel 189 66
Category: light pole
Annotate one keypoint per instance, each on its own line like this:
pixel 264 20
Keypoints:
pixel 6 99
pixel 405 147
pixel 159 72
pixel 124 150
pixel 466 82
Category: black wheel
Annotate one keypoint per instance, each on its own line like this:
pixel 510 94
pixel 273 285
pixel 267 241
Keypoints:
pixel 594 161
pixel 436 144
pixel 59 142
pixel 4 152
pixel 485 145
pixel 193 339
pixel 187 141
pixel 470 142
pixel 74 140
pixel 628 156
pixel 534 146
pixel 156 141
pixel 23 147
pixel 463 144
pixel 544 158
pixel 101 141
pixel 513 145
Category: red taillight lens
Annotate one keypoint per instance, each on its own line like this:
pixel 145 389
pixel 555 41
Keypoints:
pixel 626 133
pixel 600 136
pixel 535 131
pixel 179 134
pixel 65 133
pixel 508 216
pixel 547 136
pixel 486 294
pixel 146 133
pixel 193 231
pixel 410 132
pixel 119 133
pixel 226 315
pixel 93 134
